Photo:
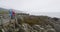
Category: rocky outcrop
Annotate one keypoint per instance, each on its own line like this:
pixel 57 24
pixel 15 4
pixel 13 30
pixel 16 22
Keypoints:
pixel 36 28
pixel 31 23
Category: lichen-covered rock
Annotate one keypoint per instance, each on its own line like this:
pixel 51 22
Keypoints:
pixel 57 27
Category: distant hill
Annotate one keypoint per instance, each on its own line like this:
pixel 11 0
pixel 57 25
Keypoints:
pixel 4 11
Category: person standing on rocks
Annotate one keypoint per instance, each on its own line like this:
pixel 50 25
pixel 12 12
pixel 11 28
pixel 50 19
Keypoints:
pixel 12 14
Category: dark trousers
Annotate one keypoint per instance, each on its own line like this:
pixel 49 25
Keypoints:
pixel 12 17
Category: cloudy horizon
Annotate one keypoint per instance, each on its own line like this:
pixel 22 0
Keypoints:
pixel 51 7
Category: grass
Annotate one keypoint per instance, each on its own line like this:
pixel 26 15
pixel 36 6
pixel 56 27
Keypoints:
pixel 35 20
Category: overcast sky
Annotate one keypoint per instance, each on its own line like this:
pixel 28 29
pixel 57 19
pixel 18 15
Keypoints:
pixel 33 6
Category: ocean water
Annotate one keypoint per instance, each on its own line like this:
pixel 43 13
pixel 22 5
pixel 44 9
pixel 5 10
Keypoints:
pixel 50 14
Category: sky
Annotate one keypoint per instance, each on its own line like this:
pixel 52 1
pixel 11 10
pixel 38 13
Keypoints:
pixel 51 7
